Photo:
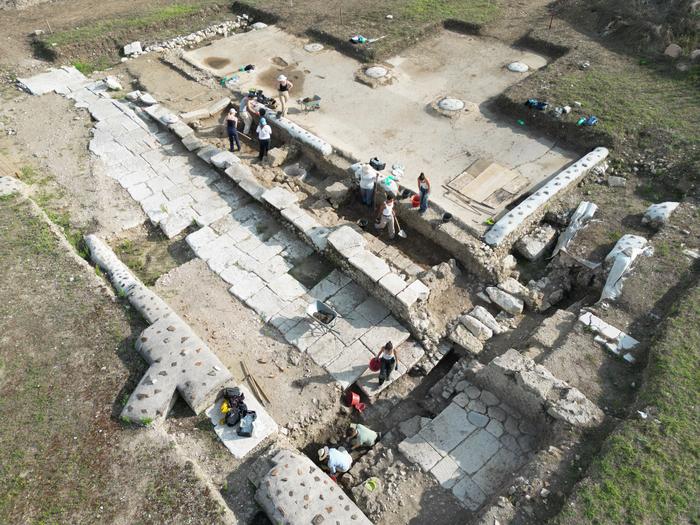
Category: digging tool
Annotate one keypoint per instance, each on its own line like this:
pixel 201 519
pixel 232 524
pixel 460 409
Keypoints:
pixel 255 386
pixel 373 40
pixel 399 230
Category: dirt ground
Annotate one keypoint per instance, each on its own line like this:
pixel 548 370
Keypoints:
pixel 67 361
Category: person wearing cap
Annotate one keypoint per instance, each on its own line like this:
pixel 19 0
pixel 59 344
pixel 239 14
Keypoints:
pixel 283 92
pixel 362 436
pixel 232 129
pixel 368 182
pixel 264 132
pixel 335 460
pixel 387 361
pixel 246 111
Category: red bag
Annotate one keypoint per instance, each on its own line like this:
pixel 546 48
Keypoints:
pixel 374 365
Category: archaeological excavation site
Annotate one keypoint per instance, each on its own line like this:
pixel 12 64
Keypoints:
pixel 298 262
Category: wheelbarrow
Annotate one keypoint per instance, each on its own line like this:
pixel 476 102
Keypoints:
pixel 322 315
pixel 310 103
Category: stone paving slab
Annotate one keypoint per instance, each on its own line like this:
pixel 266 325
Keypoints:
pixel 418 450
pixel 350 364
pixel 469 493
pixel 347 298
pixel 447 472
pixel 388 330
pixel 240 447
pixel 450 428
pixel 266 303
pixel 62 81
pixel 326 349
pixel 366 262
pixel 475 451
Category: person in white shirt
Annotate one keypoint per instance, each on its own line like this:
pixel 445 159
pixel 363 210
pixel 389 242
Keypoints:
pixel 244 110
pixel 336 460
pixel 386 217
pixel 264 134
pixel 424 190
pixel 368 181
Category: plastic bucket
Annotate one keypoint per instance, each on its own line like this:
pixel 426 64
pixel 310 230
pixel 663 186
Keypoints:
pixel 374 365
pixel 352 398
pixel 415 201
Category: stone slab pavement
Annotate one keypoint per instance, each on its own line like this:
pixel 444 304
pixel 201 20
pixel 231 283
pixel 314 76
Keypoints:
pixel 474 446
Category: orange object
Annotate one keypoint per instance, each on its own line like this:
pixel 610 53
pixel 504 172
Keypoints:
pixel 415 201
pixel 353 400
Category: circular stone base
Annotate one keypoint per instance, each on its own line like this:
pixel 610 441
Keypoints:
pixel 314 47
pixel 376 72
pixel 452 107
pixel 375 75
pixel 451 104
pixel 518 67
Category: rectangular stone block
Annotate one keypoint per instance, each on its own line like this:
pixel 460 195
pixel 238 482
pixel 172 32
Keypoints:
pixel 393 283
pixel 287 287
pixel 224 159
pixel 369 264
pixel 347 241
pixel 266 303
pixel 326 349
pixel 347 298
pixel 448 429
pixel 388 330
pixel 372 310
pixel 246 286
pixel 238 173
pixel 253 188
pixel 181 129
pixel 414 292
pixel 350 364
pixel 419 451
pixel 475 451
pixel 447 472
pixel 304 334
pixel 279 198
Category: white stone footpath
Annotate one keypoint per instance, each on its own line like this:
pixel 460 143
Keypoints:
pixel 176 190
pixel 474 446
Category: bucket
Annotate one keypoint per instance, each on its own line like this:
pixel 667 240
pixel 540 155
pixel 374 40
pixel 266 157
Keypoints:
pixel 374 365
pixel 352 398
pixel 362 223
pixel 446 217
pixel 371 484
pixel 415 201
pixel 295 171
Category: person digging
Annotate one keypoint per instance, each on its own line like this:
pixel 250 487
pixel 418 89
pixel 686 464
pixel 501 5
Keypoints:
pixel 386 217
pixel 362 436
pixel 334 460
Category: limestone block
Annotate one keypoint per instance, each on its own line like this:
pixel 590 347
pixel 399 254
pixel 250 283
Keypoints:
pixel 253 188
pixel 246 286
pixel 553 329
pixel 181 129
pixel 347 298
pixel 197 114
pixel 476 327
pixel 393 283
pixel 412 426
pixel 517 290
pixel 325 349
pixel 352 362
pixel 279 198
pixel 536 243
pixel 329 285
pixel 372 310
pixel 238 172
pixel 475 451
pixel 201 238
pixel 224 159
pixel 388 330
pixel 575 408
pixel 347 241
pixel 207 152
pixel 304 334
pixel 505 301
pixel 175 223
pixel 337 192
pixel 266 303
pixel 500 467
pixel 464 338
pixel 495 428
pixel 9 186
pixel 351 327
pixel 276 157
pixel 264 426
pixel 287 287
pixel 418 450
pixel 447 472
pixel 369 264
pixel 218 106
pixel 448 429
pixel 296 491
pixel 483 315
pixel 414 292
pixel 318 235
pixel 191 142
pixel 469 493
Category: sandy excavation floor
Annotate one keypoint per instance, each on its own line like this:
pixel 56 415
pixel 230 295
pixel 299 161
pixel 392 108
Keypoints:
pixel 395 121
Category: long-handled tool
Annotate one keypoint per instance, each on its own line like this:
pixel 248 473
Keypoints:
pixel 400 231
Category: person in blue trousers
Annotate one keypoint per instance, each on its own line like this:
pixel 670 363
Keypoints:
pixel 424 190
pixel 232 129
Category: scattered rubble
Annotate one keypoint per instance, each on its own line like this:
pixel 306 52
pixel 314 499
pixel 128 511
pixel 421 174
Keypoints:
pixel 533 245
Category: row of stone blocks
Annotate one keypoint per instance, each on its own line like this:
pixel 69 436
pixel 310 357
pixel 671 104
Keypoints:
pixel 178 359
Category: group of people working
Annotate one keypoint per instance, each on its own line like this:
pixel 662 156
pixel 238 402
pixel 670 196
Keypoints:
pixel 338 460
pixel 248 107
pixel 386 214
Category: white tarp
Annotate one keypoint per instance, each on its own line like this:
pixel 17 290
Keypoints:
pixel 658 214
pixel 620 260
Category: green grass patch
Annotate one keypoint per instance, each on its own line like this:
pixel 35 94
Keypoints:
pixel 141 21
pixel 635 102
pixel 472 11
pixel 87 67
pixel 647 471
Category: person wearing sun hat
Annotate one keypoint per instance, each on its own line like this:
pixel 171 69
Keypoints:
pixel 335 459
pixel 283 93
pixel 232 129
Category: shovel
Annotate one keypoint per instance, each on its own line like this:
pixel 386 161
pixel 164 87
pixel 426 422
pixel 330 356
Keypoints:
pixel 400 231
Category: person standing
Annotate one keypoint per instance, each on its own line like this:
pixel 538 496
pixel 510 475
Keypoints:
pixel 232 129
pixel 368 182
pixel 264 132
pixel 386 218
pixel 424 191
pixel 387 361
pixel 362 436
pixel 245 110
pixel 283 93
